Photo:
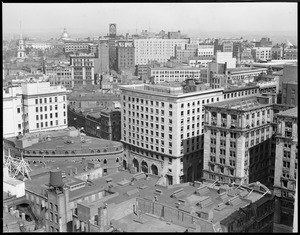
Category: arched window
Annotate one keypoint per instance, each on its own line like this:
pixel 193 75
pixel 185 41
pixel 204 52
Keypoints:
pixel 117 160
pixel 73 152
pixel 66 152
pixel 105 161
pixel 34 152
pixel 53 152
pixel 92 151
pixel 98 151
pixel 47 152
pixel 105 150
pixel 28 152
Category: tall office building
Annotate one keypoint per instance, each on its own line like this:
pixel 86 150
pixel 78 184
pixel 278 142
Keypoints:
pixel 102 58
pixel 82 66
pixel 44 107
pixel 162 127
pixel 236 132
pixel 158 49
pixel 34 107
pixel 125 55
pixel 286 164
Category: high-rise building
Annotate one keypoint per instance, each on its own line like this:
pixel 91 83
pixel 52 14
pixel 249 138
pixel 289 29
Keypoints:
pixel 102 58
pixel 82 66
pixel 59 74
pixel 235 131
pixel 286 164
pixel 112 30
pixel 158 49
pixel 44 107
pixel 162 127
pixel 125 55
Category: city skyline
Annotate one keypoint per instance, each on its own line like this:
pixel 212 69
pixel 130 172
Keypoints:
pixel 214 18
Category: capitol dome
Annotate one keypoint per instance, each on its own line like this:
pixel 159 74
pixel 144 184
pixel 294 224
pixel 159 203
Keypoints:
pixel 65 34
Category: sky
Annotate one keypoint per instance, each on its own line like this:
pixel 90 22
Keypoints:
pixel 94 18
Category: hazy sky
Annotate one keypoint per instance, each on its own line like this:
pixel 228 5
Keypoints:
pixel 95 17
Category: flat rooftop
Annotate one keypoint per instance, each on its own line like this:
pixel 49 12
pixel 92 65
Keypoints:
pixel 61 143
pixel 176 68
pixel 245 104
pixel 289 113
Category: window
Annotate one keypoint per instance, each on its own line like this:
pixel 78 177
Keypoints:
pixel 36 101
pixel 55 99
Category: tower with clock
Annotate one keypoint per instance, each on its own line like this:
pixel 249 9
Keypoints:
pixel 112 30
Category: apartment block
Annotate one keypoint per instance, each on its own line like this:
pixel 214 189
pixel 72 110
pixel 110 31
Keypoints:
pixel 82 66
pixel 286 164
pixel 150 49
pixel 232 128
pixel 290 54
pixel 73 46
pixel 44 107
pixel 162 127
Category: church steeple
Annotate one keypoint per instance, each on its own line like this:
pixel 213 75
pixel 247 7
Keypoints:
pixel 21 49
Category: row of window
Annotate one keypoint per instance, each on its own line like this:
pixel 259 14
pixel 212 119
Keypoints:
pixel 50 124
pixel 46 109
pixel 46 116
pixel 240 93
pixel 50 100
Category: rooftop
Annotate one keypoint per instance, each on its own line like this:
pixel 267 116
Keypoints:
pixel 290 112
pixel 68 143
pixel 176 68
pixel 244 104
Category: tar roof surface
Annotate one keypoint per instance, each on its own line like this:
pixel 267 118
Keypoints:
pixel 59 143
pixel 290 112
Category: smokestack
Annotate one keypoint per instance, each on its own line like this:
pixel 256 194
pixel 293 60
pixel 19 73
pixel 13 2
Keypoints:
pixel 23 216
pixel 82 226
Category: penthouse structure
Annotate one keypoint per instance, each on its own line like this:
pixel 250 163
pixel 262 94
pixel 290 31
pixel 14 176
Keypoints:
pixel 158 49
pixel 232 129
pixel 286 164
pixel 82 66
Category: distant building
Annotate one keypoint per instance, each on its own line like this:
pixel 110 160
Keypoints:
pixel 205 50
pixel 199 61
pixel 228 47
pixel 261 53
pixel 276 52
pixel 112 30
pixel 102 58
pixel 174 74
pixel 264 42
pixel 125 55
pixel 175 35
pixel 290 93
pixel 182 53
pixel 82 66
pixel 59 74
pixel 286 165
pixel 290 54
pixel 40 45
pixel 150 49
pixel 74 46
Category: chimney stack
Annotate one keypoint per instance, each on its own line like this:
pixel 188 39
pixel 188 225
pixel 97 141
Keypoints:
pixel 11 211
pixel 5 208
pixel 23 216
pixel 75 171
pixel 17 214
pixel 70 172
